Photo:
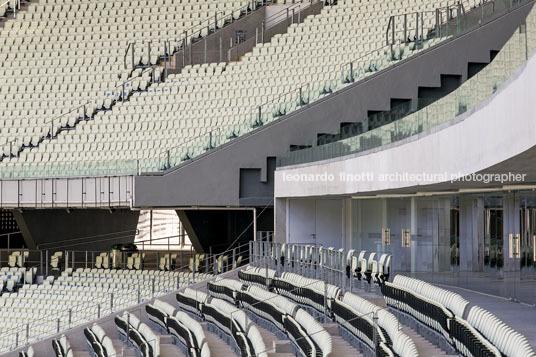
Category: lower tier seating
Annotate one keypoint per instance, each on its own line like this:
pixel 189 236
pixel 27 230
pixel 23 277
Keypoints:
pixel 228 319
pixel 185 330
pixel 62 347
pixel 99 344
pixel 141 336
pixel 76 298
pixel 29 352
pixel 480 334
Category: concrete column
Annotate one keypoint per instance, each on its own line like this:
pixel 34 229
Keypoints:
pixel 510 226
pixel 413 229
pixel 280 220
pixel 471 228
pixel 348 223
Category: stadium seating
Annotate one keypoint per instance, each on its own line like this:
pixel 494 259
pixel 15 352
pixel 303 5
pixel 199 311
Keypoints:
pixel 79 297
pixel 262 277
pixel 306 291
pixel 481 334
pixel 62 347
pixel 356 315
pixel 28 353
pixel 231 323
pixel 507 341
pixel 48 67
pixel 100 344
pixel 174 112
pixel 138 334
pixel 182 327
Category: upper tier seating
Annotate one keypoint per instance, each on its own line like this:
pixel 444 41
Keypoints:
pixel 176 112
pixel 100 344
pixel 61 54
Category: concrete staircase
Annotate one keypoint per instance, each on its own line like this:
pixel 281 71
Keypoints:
pixel 425 347
pixel 341 348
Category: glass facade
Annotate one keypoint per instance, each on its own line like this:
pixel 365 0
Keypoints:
pixel 478 241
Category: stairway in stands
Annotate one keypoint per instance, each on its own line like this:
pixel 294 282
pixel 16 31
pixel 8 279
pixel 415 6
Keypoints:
pixel 425 347
pixel 341 348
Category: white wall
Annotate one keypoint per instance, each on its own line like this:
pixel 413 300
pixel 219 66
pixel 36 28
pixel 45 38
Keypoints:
pixel 321 218
pixel 498 129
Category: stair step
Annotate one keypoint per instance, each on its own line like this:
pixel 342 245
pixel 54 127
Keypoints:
pixel 425 347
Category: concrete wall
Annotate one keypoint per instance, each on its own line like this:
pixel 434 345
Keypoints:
pixel 501 128
pixel 213 178
pixel 84 229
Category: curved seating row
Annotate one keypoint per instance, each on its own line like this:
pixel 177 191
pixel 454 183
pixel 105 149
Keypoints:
pixel 228 319
pixel 141 336
pixel 98 343
pixel 351 312
pixel 301 328
pixel 481 334
pixel 428 311
pixel 306 291
pixel 356 315
pixel 182 327
pixel 262 277
pixel 192 301
pixel 508 341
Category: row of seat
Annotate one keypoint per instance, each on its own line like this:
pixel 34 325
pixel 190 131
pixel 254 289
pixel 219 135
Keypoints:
pixel 138 334
pixel 62 347
pixel 357 315
pixel 182 327
pixel 307 335
pixel 229 320
pixel 98 343
pixel 480 334
pixel 502 336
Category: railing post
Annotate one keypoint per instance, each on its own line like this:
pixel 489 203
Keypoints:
pixel 58 326
pixel 205 59
pixel 260 116
pixel 152 289
pixel 221 47
pixel 262 33
pixel 27 333
pixel 46 262
pixel 17 339
pixel 437 25
pixel 70 316
pixel 416 27
pixel 112 302
pixel 133 59
pixel 98 311
pixel 351 72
